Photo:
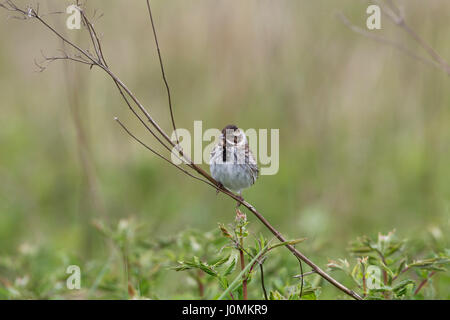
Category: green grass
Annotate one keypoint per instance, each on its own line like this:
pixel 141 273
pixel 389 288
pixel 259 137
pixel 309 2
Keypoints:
pixel 364 137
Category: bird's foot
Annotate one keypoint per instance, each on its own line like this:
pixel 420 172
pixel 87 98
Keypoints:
pixel 238 203
pixel 220 186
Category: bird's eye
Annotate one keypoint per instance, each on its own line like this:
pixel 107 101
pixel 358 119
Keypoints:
pixel 238 136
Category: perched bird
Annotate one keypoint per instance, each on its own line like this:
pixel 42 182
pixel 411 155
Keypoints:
pixel 232 163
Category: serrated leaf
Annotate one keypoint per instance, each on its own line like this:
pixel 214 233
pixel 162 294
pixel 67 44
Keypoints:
pixel 262 242
pixel 231 266
pixel 221 261
pixel 401 266
pixel 401 285
pixel 382 288
pixel 393 249
pixel 223 282
pixel 208 269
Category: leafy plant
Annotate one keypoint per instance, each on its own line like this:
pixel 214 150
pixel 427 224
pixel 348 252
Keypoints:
pixel 222 267
pixel 384 268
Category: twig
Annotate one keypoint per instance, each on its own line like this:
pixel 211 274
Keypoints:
pixel 424 282
pixel 401 272
pixel 395 14
pixel 162 71
pixel 301 279
pixel 201 287
pixel 262 281
pixel 260 262
pixel 304 274
pixel 244 280
pixel 242 258
pixel 101 58
pixel 157 153
pixel 364 283
pixel 383 40
pixel 399 20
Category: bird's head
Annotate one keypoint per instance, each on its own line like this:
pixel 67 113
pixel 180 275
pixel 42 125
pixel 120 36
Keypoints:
pixel 233 135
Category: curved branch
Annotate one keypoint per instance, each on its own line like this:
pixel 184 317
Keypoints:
pixel 395 14
pixel 162 71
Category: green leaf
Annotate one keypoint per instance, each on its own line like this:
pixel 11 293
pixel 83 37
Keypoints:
pixel 357 273
pixel 401 266
pixel 387 269
pixel 361 250
pixel 404 287
pixel 223 282
pixel 196 264
pixel 341 264
pixel 309 296
pixel 262 242
pixel 290 242
pixel 225 231
pixel 276 295
pixel 231 266
pixel 208 269
pixel 393 248
pixel 239 277
pixel 221 261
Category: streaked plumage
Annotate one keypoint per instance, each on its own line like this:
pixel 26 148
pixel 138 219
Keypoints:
pixel 232 162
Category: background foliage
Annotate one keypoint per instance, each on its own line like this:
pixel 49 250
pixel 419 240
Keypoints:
pixel 364 143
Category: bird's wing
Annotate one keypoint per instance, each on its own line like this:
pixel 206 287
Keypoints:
pixel 252 164
pixel 215 152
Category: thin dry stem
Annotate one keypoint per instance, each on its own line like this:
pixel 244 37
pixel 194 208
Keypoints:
pixel 396 15
pixel 162 71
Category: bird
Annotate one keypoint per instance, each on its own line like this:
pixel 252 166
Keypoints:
pixel 232 163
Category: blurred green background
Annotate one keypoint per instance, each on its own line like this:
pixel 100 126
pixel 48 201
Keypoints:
pixel 364 129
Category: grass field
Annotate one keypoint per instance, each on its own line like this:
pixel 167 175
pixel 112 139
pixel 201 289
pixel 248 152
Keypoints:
pixel 364 143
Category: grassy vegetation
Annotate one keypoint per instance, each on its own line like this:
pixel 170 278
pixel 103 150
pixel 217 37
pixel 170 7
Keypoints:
pixel 364 135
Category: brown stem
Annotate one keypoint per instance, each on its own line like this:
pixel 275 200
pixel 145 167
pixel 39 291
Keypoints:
pixel 201 287
pixel 241 254
pixel 262 282
pixel 364 281
pixel 162 70
pixel 298 254
pixel 396 16
pixel 401 272
pixel 383 40
pixel 424 282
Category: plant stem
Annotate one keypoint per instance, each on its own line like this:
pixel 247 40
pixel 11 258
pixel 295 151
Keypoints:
pixel 364 281
pixel 242 273
pixel 424 282
pixel 244 281
pixel 297 253
pixel 201 288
